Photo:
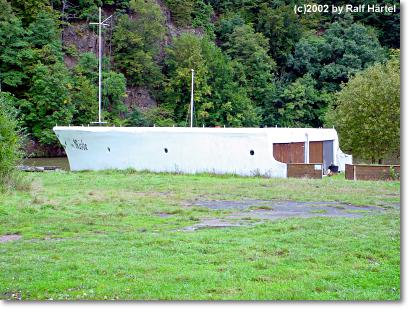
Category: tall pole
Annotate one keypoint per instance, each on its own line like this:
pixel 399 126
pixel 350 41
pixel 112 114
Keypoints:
pixel 99 65
pixel 100 24
pixel 192 97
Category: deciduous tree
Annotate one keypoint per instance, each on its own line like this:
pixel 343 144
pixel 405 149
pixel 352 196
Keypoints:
pixel 367 112
pixel 48 102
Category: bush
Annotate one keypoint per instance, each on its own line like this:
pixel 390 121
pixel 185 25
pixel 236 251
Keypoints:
pixel 10 142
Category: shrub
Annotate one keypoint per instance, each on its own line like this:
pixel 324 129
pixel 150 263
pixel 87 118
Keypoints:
pixel 10 142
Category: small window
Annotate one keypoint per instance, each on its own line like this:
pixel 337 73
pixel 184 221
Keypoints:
pixel 108 148
pixel 252 152
pixel 165 150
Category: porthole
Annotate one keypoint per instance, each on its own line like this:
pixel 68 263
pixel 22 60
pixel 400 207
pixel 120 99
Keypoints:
pixel 252 152
pixel 165 150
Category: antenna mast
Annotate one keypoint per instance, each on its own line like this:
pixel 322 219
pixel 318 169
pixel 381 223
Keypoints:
pixel 192 97
pixel 100 24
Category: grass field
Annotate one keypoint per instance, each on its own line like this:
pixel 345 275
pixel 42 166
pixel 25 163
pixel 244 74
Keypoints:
pixel 123 235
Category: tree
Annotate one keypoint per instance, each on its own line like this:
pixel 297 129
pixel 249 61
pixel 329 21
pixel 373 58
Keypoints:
pixel 181 11
pixel 84 98
pixel 219 99
pixel 367 112
pixel 282 27
pixel 149 23
pixel 48 102
pixel 254 67
pixel 44 30
pixel 157 116
pixel 43 36
pixel 201 17
pixel 87 66
pixel 344 49
pixel 302 104
pixel 185 54
pixel 136 118
pixel 226 25
pixel 230 104
pixel 251 50
pixel 387 26
pixel 38 78
pixel 84 92
pixel 29 9
pixel 86 9
pixel 113 96
pixel 13 49
pixel 137 42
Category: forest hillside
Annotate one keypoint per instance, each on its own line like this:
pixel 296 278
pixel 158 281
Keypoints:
pixel 257 63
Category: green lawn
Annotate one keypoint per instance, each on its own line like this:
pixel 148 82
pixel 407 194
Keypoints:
pixel 120 235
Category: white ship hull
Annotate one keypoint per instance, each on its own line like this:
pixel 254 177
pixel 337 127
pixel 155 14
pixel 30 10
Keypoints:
pixel 242 151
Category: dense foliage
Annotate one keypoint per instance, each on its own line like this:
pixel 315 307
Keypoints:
pixel 256 62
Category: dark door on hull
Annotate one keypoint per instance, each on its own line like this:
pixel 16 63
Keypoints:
pixel 319 152
pixel 281 152
pixel 327 154
pixel 289 152
pixel 316 152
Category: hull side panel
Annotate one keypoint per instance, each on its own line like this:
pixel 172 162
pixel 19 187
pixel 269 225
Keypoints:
pixel 164 151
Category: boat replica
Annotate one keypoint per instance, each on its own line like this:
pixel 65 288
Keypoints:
pixel 242 151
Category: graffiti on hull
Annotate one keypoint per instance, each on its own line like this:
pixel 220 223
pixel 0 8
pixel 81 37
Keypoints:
pixel 79 145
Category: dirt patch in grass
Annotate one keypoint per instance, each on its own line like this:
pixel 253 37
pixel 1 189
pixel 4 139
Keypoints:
pixel 254 210
pixel 50 239
pixel 163 214
pixel 282 205
pixel 214 223
pixel 8 238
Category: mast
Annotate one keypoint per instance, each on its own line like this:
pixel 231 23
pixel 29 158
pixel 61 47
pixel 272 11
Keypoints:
pixel 100 24
pixel 99 65
pixel 192 97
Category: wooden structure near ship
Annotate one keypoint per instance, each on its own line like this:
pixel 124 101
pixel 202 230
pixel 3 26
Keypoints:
pixel 372 172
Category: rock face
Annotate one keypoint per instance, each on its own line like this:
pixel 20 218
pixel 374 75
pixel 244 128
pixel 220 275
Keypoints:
pixel 78 37
pixel 140 97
